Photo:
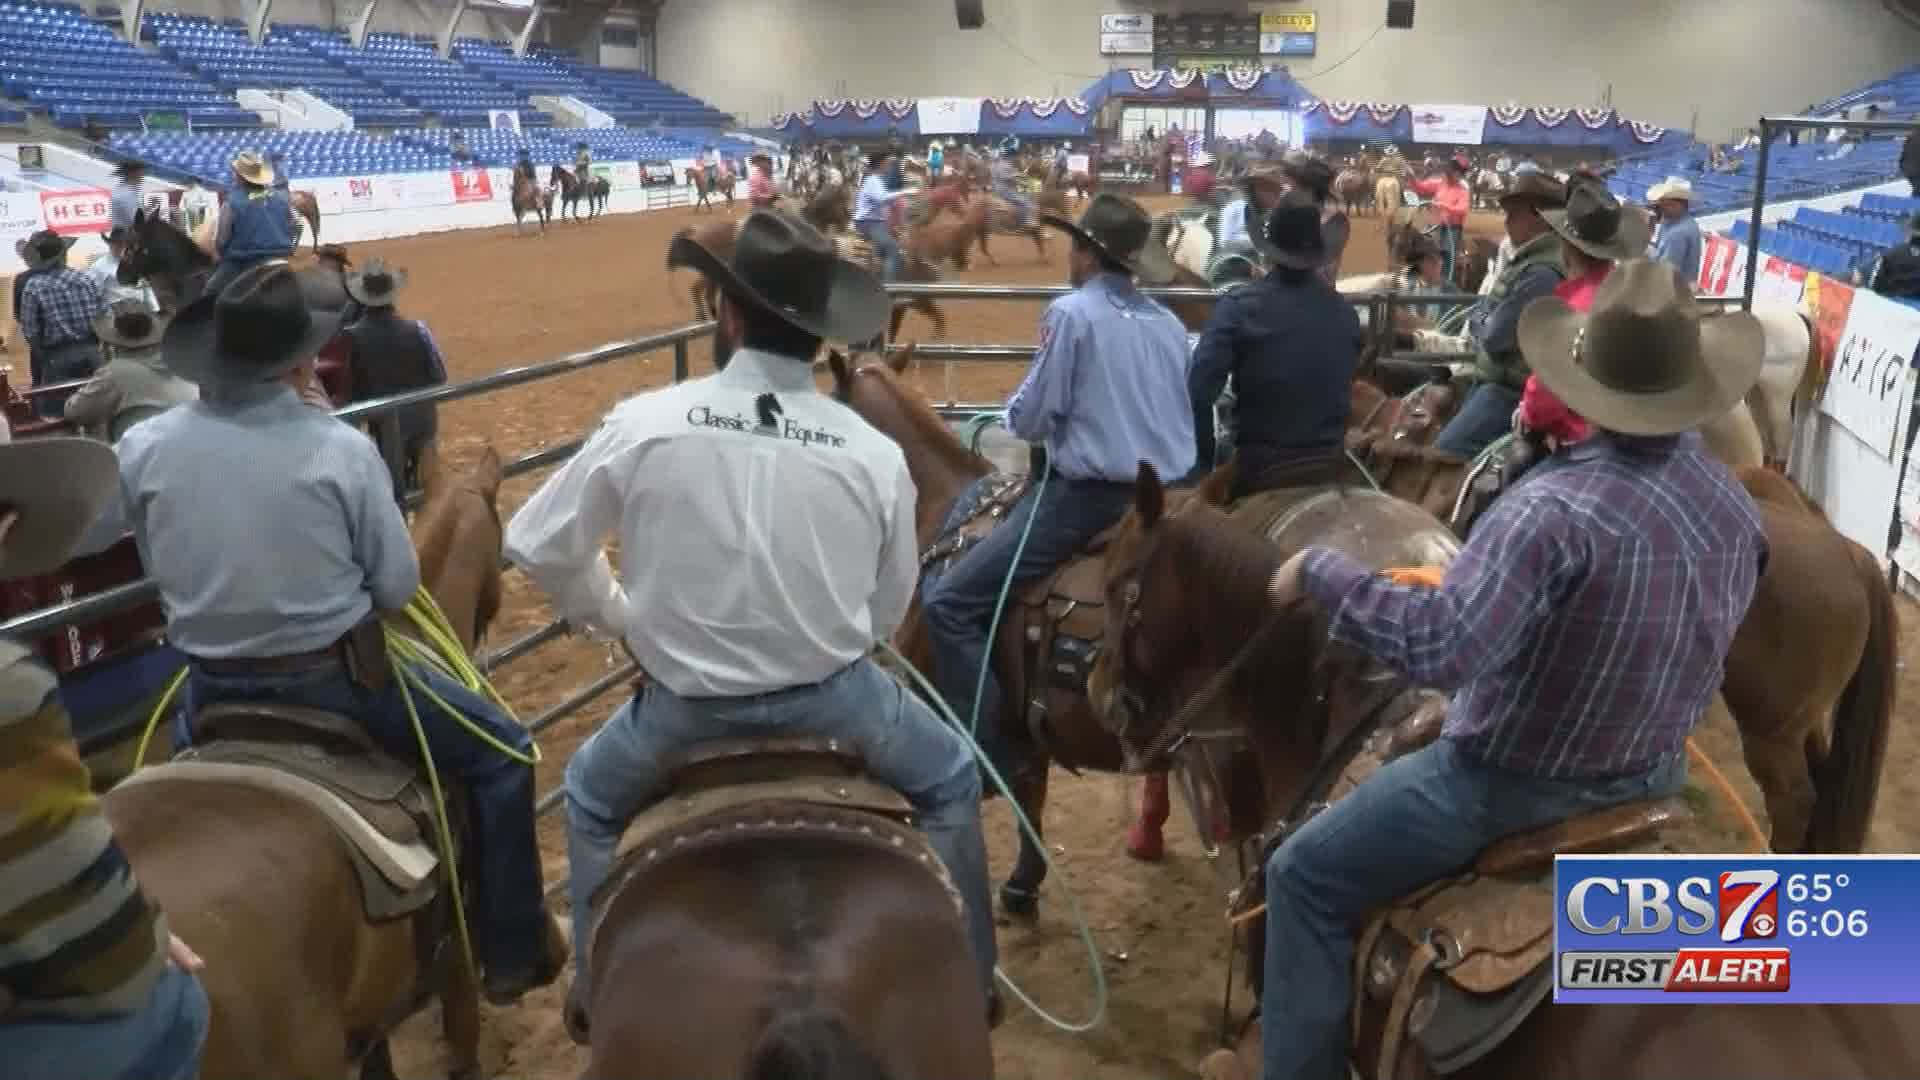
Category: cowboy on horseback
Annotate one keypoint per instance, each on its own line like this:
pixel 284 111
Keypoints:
pixel 256 222
pixel 873 214
pixel 1260 189
pixel 1004 186
pixel 91 981
pixel 1290 344
pixel 1107 389
pixel 582 162
pixel 524 170
pixel 1583 630
pixel 273 535
pixel 747 624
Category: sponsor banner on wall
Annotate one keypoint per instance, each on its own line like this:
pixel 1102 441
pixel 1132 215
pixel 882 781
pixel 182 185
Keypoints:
pixel 19 217
pixel 1723 266
pixel 1462 124
pixel 619 175
pixel 950 115
pixel 1129 23
pixel 657 172
pixel 1826 303
pixel 1291 44
pixel 1288 22
pixel 471 185
pixel 1870 387
pixel 1121 44
pixel 77 211
pixel 1781 282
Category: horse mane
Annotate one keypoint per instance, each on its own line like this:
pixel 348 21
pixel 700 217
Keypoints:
pixel 158 235
pixel 451 505
pixel 927 424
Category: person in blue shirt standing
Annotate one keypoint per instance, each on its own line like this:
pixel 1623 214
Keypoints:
pixel 1678 243
pixel 256 224
pixel 125 200
pixel 871 217
pixel 1107 390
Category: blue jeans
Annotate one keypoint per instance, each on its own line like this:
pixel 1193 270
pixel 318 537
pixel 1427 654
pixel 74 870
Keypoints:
pixel 65 363
pixel 1484 416
pixel 162 1041
pixel 616 773
pixel 958 603
pixel 501 856
pixel 1022 205
pixel 1419 818
pixel 884 245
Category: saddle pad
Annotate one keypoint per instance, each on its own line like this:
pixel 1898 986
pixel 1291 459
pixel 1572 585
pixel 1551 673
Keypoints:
pixel 405 866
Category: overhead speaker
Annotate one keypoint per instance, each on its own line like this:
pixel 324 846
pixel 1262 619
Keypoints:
pixel 971 13
pixel 1399 14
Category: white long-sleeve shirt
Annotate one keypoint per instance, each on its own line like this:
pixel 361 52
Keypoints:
pixel 766 531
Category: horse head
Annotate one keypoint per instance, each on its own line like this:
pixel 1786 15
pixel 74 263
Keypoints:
pixel 458 536
pixel 1422 413
pixel 160 253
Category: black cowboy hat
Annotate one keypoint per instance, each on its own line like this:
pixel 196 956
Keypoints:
pixel 45 248
pixel 1309 173
pixel 1120 230
pixel 375 284
pixel 786 267
pixel 1419 246
pixel 257 328
pixel 1293 236
pixel 875 157
pixel 1599 224
pixel 130 324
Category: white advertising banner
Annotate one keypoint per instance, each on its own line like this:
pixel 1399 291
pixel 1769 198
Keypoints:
pixel 1464 125
pixel 19 217
pixel 950 116
pixel 1871 383
pixel 1128 23
pixel 1125 44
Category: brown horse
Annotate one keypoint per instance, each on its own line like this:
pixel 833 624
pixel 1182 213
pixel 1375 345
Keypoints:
pixel 306 208
pixel 530 198
pixel 942 468
pixel 1187 597
pixel 593 189
pixel 704 186
pixel 300 982
pixel 987 213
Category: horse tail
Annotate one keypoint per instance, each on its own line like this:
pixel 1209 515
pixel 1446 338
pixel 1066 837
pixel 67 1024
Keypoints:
pixel 811 1043
pixel 1847 781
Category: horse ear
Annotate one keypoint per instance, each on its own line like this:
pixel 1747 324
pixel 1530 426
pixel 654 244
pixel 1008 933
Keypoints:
pixel 901 360
pixel 487 473
pixel 1215 488
pixel 1149 498
pixel 842 373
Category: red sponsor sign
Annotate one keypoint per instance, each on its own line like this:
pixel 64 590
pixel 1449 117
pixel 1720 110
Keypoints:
pixel 360 191
pixel 77 211
pixel 472 185
pixel 1736 970
pixel 1830 302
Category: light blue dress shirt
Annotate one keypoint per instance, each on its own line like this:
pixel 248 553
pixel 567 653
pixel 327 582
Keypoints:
pixel 1108 386
pixel 1680 246
pixel 870 203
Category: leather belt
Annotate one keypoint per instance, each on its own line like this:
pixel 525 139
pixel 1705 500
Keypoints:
pixel 271 665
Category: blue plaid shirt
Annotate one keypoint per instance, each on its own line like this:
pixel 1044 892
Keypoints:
pixel 58 308
pixel 1584 628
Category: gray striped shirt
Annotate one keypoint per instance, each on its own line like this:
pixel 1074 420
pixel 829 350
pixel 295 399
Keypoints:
pixel 269 526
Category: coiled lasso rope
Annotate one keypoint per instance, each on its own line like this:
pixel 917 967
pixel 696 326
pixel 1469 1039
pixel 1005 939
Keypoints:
pixel 437 647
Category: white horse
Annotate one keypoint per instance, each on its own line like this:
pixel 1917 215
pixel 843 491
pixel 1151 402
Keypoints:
pixel 1488 185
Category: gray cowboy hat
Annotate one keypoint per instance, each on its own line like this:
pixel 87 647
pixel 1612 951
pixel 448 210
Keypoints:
pixel 43 248
pixel 130 324
pixel 1293 236
pixel 1599 224
pixel 1537 188
pixel 785 266
pixel 259 327
pixel 1644 361
pixel 375 284
pixel 1121 232
pixel 59 485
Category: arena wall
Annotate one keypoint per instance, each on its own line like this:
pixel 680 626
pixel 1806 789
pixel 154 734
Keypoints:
pixel 1662 60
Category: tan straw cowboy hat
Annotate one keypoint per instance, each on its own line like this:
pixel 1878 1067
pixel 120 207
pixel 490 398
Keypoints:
pixel 1599 224
pixel 248 165
pixel 1671 188
pixel 1644 361
pixel 1121 232
pixel 375 284
pixel 59 485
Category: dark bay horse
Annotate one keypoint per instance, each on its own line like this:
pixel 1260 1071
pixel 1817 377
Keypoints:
pixel 530 198
pixel 306 208
pixel 942 468
pixel 594 189
pixel 177 268
pixel 263 886
pixel 1188 595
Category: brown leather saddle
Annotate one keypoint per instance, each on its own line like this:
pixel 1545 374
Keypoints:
pixel 1445 973
pixel 1058 620
pixel 1492 473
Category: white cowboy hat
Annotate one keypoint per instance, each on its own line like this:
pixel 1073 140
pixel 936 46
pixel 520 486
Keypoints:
pixel 59 485
pixel 1671 188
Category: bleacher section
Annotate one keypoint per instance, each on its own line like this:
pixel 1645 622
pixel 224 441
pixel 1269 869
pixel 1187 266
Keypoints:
pixel 634 97
pixel 408 68
pixel 54 57
pixel 1813 167
pixel 306 153
pixel 227 57
pixel 1836 243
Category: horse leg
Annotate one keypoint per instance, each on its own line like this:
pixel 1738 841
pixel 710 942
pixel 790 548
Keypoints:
pixel 1039 242
pixel 1779 766
pixel 1146 840
pixel 988 255
pixel 1020 893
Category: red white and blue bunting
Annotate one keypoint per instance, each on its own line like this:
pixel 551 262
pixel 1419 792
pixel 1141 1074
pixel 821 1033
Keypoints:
pixel 1549 117
pixel 1244 79
pixel 900 108
pixel 1076 106
pixel 1006 108
pixel 1146 80
pixel 1383 112
pixel 1646 133
pixel 865 108
pixel 1044 107
pixel 1182 78
pixel 1508 115
pixel 830 108
pixel 1594 119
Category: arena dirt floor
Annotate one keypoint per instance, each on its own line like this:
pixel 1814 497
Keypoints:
pixel 496 301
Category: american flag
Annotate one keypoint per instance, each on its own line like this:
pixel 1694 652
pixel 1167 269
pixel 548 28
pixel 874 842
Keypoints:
pixel 1196 142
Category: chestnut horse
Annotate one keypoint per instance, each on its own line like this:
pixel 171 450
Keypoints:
pixel 1197 583
pixel 987 213
pixel 306 208
pixel 704 186
pixel 942 468
pixel 264 888
pixel 530 198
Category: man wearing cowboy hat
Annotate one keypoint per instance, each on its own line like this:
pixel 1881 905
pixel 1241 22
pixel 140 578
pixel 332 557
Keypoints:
pixel 57 311
pixel 389 355
pixel 760 193
pixel 1582 630
pixel 1596 233
pixel 135 384
pixel 1290 344
pixel 28 249
pixel 1261 189
pixel 1314 178
pixel 1896 272
pixel 91 982
pixel 789 551
pixel 1452 200
pixel 1501 371
pixel 1679 244
pixel 256 223
pixel 272 533
pixel 1107 390
pixel 872 213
